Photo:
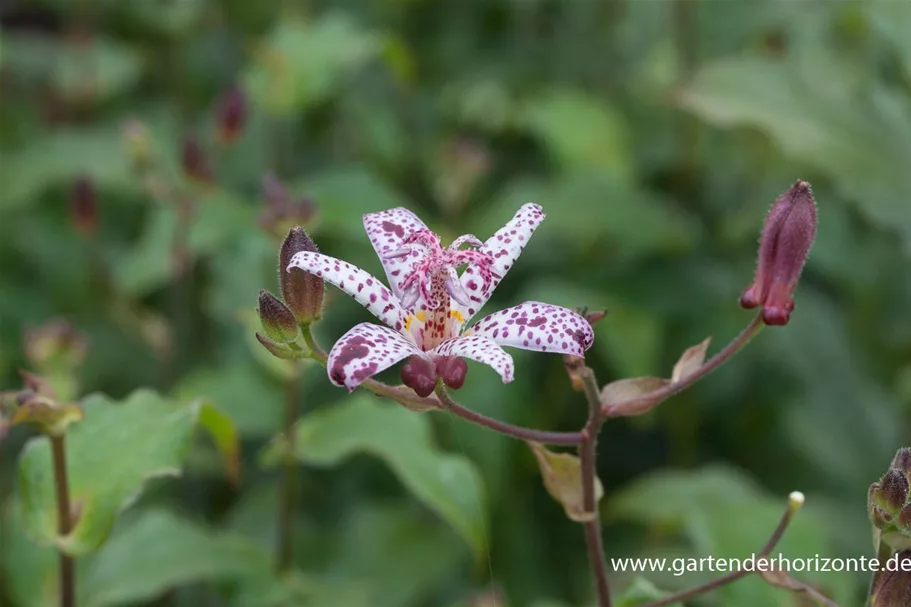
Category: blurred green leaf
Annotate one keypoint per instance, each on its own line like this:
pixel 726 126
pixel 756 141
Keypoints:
pixel 861 141
pixel 303 62
pixel 160 551
pixel 639 592
pixel 448 484
pixel 580 132
pixel 110 455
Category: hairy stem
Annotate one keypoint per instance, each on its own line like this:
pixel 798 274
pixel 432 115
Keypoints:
pixel 286 503
pixel 588 462
pixel 538 436
pixel 713 363
pixel 408 398
pixel 64 521
pixel 794 504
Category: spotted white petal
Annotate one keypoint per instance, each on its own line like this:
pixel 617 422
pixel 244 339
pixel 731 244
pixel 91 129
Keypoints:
pixel 537 326
pixel 479 349
pixel 387 231
pixel 364 351
pixel 504 247
pixel 362 286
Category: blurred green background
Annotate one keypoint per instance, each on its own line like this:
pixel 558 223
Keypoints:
pixel 655 134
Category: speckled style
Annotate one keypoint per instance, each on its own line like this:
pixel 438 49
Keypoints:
pixel 429 302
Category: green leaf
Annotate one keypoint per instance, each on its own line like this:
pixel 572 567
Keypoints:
pixel 861 142
pixel 110 455
pixel 303 62
pixel 639 592
pixel 448 484
pixel 580 132
pixel 160 551
pixel 562 474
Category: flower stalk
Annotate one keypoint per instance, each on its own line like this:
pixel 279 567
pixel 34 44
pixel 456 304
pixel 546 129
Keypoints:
pixel 588 462
pixel 64 520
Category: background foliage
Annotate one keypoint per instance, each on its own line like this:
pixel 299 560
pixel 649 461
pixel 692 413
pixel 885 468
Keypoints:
pixel 655 135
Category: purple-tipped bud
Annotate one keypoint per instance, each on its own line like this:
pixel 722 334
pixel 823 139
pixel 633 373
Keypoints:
pixel 231 115
pixel 892 587
pixel 277 319
pixel 418 374
pixel 194 161
pixel 83 207
pixel 902 461
pixel 904 517
pixel 302 291
pixel 452 370
pixel 783 249
pixel 893 491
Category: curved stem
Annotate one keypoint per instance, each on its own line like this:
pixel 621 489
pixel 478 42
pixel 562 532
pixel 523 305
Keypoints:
pixel 539 436
pixel 794 504
pixel 588 463
pixel 407 397
pixel 674 388
pixel 64 521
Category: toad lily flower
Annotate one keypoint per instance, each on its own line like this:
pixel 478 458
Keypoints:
pixel 428 305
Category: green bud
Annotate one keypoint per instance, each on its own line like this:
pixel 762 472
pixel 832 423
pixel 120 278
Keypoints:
pixel 281 350
pixel 302 291
pixel 277 319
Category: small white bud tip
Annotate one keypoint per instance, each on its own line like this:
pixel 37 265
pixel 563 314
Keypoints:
pixel 796 500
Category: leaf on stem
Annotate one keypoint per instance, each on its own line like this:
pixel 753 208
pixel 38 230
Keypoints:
pixel 110 455
pixel 690 361
pixel 448 484
pixel 627 397
pixel 562 473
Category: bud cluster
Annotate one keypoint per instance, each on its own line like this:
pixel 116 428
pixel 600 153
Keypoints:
pixel 889 503
pixel 36 404
pixel 302 293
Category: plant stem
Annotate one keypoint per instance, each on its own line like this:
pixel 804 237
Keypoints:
pixel 716 361
pixel 286 503
pixel 793 507
pixel 64 521
pixel 539 436
pixel 588 462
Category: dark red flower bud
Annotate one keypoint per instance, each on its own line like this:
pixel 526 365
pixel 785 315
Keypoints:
pixel 419 375
pixel 893 491
pixel 452 370
pixel 277 319
pixel 902 461
pixel 892 586
pixel 302 291
pixel 231 115
pixel 785 243
pixel 83 207
pixel 194 161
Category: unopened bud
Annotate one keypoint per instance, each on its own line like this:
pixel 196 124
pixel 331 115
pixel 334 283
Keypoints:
pixel 56 343
pixel 283 351
pixel 277 319
pixel 231 115
pixel 302 291
pixel 419 375
pixel 904 517
pixel 452 370
pixel 902 461
pixel 783 249
pixel 83 207
pixel 138 143
pixel 892 587
pixel 893 491
pixel 280 210
pixel 194 161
